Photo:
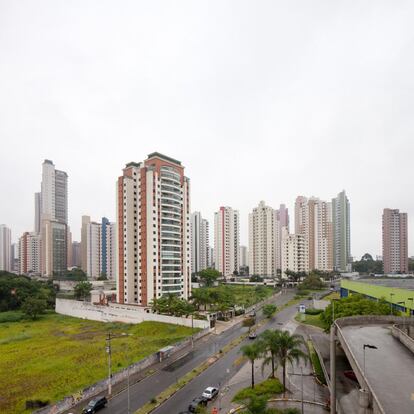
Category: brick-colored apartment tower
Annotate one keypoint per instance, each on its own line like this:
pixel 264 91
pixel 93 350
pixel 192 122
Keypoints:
pixel 153 231
pixel 394 241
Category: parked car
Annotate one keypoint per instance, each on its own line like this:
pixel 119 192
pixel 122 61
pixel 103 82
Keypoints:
pixel 95 405
pixel 210 393
pixel 197 402
pixel 252 335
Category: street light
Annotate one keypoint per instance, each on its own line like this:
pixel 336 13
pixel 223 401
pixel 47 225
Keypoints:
pixel 369 347
pixel 391 295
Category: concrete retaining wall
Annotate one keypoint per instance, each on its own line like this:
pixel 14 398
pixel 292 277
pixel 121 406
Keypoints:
pixel 119 313
pixel 403 338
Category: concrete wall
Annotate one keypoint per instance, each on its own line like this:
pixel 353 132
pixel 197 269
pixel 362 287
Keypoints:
pixel 102 386
pixel 119 313
pixel 403 338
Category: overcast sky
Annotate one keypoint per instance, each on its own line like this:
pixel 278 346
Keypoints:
pixel 260 100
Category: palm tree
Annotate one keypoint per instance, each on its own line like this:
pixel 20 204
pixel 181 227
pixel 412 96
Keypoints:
pixel 271 345
pixel 288 350
pixel 252 352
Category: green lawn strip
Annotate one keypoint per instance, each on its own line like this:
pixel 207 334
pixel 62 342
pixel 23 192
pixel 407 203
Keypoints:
pixel 333 295
pixel 267 388
pixel 316 363
pixel 172 389
pixel 313 320
pixel 57 356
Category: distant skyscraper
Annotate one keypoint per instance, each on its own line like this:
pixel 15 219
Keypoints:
pixel 262 249
pixel 5 248
pixel 15 258
pixel 227 241
pixel 30 246
pixel 200 243
pixel 341 224
pixel 282 222
pixel 54 219
pixel 244 256
pixel 394 241
pixel 153 224
pixel 38 212
pixel 76 254
pixel 84 243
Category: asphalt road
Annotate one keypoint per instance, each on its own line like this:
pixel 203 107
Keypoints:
pixel 143 391
pixel 225 368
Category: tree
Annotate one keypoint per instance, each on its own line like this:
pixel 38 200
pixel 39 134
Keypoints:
pixel 269 310
pixel 102 276
pixel 252 352
pixel 256 405
pixel 313 281
pixel 256 279
pixel 73 274
pixel 209 276
pixel 82 290
pixel 34 306
pixel 271 346
pixel 288 350
pixel 248 322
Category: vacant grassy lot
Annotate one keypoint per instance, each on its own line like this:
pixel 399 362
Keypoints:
pixel 57 355
pixel 245 295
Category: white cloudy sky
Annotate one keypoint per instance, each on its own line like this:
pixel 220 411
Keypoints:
pixel 259 99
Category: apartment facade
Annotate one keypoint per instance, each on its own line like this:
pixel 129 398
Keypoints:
pixel 153 231
pixel 282 222
pixel 30 247
pixel 99 243
pixel 5 249
pixel 294 257
pixel 262 245
pixel 54 218
pixel 244 256
pixel 394 241
pixel 227 241
pixel 200 243
pixel 341 226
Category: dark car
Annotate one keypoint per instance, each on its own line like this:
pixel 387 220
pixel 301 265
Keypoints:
pixel 351 375
pixel 95 405
pixel 197 402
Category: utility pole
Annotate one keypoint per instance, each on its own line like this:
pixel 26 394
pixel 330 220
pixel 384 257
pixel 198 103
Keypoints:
pixel 192 330
pixel 109 352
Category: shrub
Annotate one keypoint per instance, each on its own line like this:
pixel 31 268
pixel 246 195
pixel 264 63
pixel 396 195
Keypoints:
pixel 313 311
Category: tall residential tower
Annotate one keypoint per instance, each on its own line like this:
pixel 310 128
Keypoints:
pixel 153 231
pixel 200 243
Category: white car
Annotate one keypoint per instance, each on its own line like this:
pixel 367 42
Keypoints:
pixel 210 393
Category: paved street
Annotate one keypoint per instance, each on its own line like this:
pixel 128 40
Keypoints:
pixel 171 371
pixel 227 373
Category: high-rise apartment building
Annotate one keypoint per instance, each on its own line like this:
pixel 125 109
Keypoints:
pixel 30 246
pixel 294 257
pixel 5 248
pixel 100 252
pixel 394 241
pixel 84 243
pixel 262 246
pixel 313 220
pixel 38 212
pixel 341 226
pixel 153 231
pixel 54 219
pixel 281 223
pixel 200 243
pixel 76 254
pixel 244 256
pixel 227 241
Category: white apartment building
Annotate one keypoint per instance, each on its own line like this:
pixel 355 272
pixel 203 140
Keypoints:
pixel 30 246
pixel 99 240
pixel 294 256
pixel 244 256
pixel 54 218
pixel 200 243
pixel 227 241
pixel 262 243
pixel 313 220
pixel 5 248
pixel 153 231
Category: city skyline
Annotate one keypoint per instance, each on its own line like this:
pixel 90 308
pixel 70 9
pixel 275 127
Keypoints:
pixel 268 86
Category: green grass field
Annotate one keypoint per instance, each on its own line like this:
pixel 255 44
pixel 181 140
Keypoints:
pixel 248 295
pixel 313 320
pixel 57 355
